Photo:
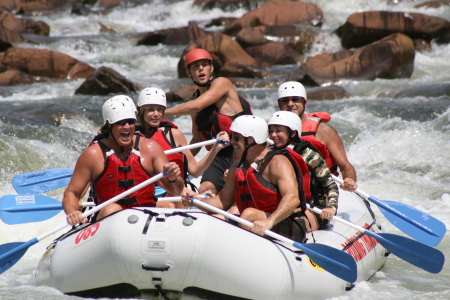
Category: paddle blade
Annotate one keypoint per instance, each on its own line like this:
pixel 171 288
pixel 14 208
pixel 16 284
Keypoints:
pixel 415 223
pixel 418 254
pixel 41 181
pixel 18 209
pixel 337 262
pixel 10 254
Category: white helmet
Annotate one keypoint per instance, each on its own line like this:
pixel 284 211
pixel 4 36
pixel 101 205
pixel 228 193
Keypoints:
pixel 292 89
pixel 249 125
pixel 118 108
pixel 152 96
pixel 288 119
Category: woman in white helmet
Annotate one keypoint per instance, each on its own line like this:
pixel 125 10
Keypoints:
pixel 263 182
pixel 152 104
pixel 117 161
pixel 319 187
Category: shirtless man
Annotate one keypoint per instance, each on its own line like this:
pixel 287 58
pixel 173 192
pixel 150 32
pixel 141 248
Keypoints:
pixel 263 182
pixel 292 97
pixel 215 105
pixel 118 161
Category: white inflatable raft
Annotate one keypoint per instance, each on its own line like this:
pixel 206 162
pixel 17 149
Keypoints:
pixel 150 250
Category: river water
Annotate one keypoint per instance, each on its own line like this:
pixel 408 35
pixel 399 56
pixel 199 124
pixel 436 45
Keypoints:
pixel 397 140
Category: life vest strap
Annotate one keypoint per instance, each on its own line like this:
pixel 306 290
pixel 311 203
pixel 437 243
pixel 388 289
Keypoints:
pixel 127 201
pixel 125 168
pixel 126 183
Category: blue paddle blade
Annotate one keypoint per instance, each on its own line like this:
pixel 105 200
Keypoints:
pixel 12 252
pixel 337 262
pixel 415 223
pixel 41 181
pixel 18 209
pixel 418 254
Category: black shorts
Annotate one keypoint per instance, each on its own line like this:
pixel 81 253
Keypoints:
pixel 219 165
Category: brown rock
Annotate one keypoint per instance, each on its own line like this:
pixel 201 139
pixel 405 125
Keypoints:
pixel 172 36
pixel 330 92
pixel 279 12
pixel 10 5
pixel 274 54
pixel 42 62
pixel 15 77
pixel 223 49
pixel 31 7
pixel 391 57
pixel 104 81
pixel 228 5
pixel 366 27
pixel 11 29
pixel 234 70
pixel 299 38
pixel 433 4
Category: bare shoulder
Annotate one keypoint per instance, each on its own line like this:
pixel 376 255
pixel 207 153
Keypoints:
pixel 327 134
pixel 221 81
pixel 179 137
pixel 149 145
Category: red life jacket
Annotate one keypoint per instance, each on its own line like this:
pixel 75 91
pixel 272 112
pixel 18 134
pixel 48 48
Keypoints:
pixel 252 190
pixel 306 174
pixel 119 176
pixel 160 137
pixel 309 130
pixel 210 122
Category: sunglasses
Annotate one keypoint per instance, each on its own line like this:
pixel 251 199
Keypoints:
pixel 126 121
pixel 293 99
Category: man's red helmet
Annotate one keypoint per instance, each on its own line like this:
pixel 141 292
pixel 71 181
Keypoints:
pixel 196 54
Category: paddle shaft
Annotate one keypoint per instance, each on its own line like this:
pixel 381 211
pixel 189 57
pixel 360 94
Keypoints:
pixel 390 209
pixel 42 207
pixel 416 253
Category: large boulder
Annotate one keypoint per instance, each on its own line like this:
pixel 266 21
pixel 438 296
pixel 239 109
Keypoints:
pixel 275 53
pixel 104 81
pixel 433 4
pixel 299 38
pixel 46 63
pixel 172 36
pixel 366 27
pixel 11 28
pixel 391 57
pixel 31 7
pixel 223 49
pixel 278 12
pixel 229 5
pixel 16 77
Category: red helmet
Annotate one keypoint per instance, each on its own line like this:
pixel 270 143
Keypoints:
pixel 196 54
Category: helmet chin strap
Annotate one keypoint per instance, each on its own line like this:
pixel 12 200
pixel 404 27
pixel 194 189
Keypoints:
pixel 244 155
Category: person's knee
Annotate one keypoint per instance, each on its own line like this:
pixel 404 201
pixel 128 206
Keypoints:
pixel 108 209
pixel 207 186
pixel 163 204
pixel 250 214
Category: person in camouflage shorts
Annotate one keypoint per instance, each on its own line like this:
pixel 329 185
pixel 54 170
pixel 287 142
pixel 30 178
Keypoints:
pixel 319 187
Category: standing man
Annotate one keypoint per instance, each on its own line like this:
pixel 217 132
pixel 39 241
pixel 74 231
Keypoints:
pixel 263 182
pixel 118 161
pixel 215 105
pixel 292 97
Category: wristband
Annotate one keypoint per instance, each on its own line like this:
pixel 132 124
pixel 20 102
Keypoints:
pixel 172 181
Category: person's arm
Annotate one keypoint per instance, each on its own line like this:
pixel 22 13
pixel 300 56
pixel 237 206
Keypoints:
pixel 197 168
pixel 281 173
pixel 319 169
pixel 224 200
pixel 327 135
pixel 218 89
pixel 154 161
pixel 80 179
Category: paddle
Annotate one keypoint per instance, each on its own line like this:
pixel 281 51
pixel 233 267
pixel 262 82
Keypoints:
pixel 337 262
pixel 416 253
pixel 11 253
pixel 41 181
pixel 18 209
pixel 37 182
pixel 415 223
